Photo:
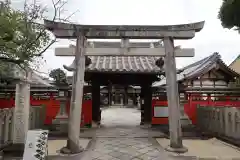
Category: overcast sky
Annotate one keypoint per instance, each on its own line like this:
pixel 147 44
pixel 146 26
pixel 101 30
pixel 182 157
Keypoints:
pixel 213 38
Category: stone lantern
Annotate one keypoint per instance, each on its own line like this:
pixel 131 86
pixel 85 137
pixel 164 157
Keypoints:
pixel 61 120
pixel 185 121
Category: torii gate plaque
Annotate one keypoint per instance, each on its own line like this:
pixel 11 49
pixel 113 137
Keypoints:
pixel 124 32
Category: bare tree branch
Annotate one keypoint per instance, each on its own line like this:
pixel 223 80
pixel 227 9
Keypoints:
pixel 43 29
pixel 30 38
pixel 5 59
pixel 67 18
pixel 46 48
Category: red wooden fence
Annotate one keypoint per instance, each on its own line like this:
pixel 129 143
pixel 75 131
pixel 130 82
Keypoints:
pixel 52 107
pixel 192 101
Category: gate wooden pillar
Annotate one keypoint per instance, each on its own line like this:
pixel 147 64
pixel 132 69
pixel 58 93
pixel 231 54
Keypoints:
pixel 125 97
pixel 142 105
pixel 110 94
pixel 148 104
pixel 95 101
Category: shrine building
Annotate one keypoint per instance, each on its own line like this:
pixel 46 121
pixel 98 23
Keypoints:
pixel 120 73
pixel 208 81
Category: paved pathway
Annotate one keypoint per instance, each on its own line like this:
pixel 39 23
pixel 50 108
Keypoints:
pixel 123 149
pixel 121 122
pixel 121 138
pixel 117 117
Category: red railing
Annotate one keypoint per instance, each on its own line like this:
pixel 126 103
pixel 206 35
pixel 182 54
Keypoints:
pixel 191 103
pixel 52 107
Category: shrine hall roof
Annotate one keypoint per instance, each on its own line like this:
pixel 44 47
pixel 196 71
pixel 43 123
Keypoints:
pixel 13 72
pixel 121 64
pixel 198 68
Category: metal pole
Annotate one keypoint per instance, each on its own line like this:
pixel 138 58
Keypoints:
pixel 77 96
pixel 173 99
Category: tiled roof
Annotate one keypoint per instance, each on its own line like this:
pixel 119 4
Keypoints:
pixel 38 80
pixel 130 64
pixel 35 80
pixel 198 68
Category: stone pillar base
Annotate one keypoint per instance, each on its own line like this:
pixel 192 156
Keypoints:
pixel 96 124
pixel 176 150
pixel 67 152
pixel 61 124
pixel 13 150
pixel 146 125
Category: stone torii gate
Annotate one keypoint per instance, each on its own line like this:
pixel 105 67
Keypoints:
pixel 124 32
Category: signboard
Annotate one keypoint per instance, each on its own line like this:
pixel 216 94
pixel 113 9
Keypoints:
pixel 4 95
pixel 161 112
pixel 36 145
pixel 41 96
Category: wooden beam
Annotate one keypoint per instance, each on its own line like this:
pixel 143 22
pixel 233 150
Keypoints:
pixel 67 30
pixel 187 52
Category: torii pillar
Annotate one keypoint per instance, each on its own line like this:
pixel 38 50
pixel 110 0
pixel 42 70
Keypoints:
pixel 167 33
pixel 76 98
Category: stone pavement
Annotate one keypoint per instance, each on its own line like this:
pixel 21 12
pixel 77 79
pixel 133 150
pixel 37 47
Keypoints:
pixel 117 116
pixel 128 149
pixel 122 132
pixel 121 138
pixel 121 122
pixel 124 149
pixel 207 149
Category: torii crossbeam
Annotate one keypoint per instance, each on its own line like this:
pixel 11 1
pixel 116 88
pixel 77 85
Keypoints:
pixel 113 48
pixel 125 32
pixel 69 31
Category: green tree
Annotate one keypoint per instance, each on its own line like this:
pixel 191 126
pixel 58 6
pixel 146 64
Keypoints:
pixel 22 36
pixel 59 76
pixel 229 14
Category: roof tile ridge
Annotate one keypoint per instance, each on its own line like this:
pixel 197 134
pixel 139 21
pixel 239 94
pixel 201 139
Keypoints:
pixel 212 58
pixel 198 62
